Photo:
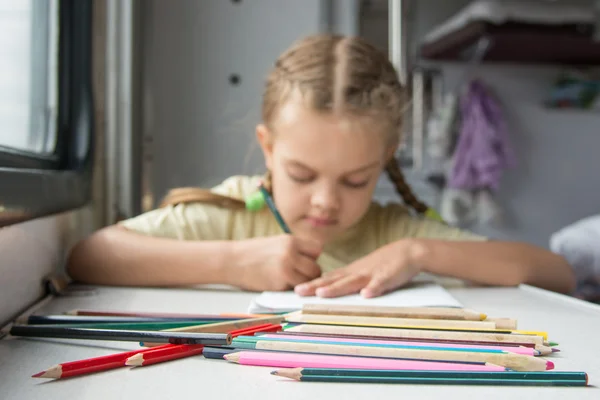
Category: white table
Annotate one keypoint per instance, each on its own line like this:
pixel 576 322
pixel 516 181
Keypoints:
pixel 572 323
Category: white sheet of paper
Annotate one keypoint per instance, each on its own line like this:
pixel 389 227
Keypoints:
pixel 425 295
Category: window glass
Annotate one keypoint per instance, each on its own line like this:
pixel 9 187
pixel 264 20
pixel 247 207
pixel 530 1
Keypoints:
pixel 28 74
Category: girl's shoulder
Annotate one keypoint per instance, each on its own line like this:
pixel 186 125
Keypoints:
pixel 238 186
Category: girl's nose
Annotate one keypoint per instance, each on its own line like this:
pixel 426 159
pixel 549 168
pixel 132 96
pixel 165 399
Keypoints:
pixel 325 197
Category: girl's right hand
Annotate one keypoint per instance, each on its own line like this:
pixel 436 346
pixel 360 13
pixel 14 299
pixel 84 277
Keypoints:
pixel 274 263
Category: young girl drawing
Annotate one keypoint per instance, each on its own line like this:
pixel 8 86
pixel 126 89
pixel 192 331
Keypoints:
pixel 331 121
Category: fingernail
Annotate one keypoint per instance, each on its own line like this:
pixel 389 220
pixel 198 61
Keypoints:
pixel 300 288
pixel 321 292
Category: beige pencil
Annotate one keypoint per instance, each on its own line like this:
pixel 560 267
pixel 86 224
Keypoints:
pixel 504 323
pixel 389 322
pixel 459 314
pixel 517 362
pixel 418 334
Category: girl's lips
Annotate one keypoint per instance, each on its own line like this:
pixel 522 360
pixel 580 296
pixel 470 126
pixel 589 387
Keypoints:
pixel 314 221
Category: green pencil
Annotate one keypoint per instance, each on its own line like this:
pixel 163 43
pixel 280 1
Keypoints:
pixel 271 205
pixel 557 378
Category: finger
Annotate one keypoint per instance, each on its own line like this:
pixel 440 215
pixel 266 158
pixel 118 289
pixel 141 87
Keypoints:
pixel 308 247
pixel 293 277
pixel 309 288
pixel 376 287
pixel 306 266
pixel 349 284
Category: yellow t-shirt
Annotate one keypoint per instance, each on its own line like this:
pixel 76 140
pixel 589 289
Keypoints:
pixel 198 221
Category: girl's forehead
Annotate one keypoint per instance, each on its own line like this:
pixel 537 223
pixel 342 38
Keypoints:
pixel 327 140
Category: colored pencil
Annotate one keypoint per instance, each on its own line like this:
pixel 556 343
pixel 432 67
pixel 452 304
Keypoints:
pixel 290 360
pixel 226 327
pixel 467 326
pixel 75 319
pixel 436 377
pixel 89 365
pixel 504 323
pixel 134 326
pixel 241 341
pixel 150 314
pixel 171 354
pixel 543 350
pixel 273 208
pixel 120 335
pixel 417 333
pixel 158 355
pixel 395 312
pixel 528 351
pixel 515 362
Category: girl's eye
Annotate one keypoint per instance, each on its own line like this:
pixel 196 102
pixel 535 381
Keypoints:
pixel 301 179
pixel 356 185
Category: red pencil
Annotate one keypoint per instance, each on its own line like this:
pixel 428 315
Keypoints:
pixel 266 328
pixel 90 365
pixel 158 355
pixel 155 355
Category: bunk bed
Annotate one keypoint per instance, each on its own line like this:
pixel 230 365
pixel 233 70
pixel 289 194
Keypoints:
pixel 518 32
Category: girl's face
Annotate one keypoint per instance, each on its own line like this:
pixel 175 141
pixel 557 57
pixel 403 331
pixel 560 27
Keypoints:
pixel 324 168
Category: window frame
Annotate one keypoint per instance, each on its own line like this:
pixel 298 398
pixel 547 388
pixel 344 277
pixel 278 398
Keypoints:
pixel 36 185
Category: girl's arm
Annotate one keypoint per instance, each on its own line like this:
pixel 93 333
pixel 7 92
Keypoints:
pixel 117 256
pixel 494 263
pixel 487 263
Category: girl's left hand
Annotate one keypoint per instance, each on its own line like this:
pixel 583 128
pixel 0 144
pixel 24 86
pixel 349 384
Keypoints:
pixel 383 270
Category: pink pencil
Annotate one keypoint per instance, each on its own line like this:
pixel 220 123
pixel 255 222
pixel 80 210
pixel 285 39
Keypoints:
pixel 518 350
pixel 293 360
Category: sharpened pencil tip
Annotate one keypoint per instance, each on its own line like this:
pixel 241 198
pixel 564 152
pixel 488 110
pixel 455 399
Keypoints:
pixel 549 365
pixel 38 374
pixel 274 373
pixel 555 350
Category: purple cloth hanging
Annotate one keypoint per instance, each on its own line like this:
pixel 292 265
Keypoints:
pixel 483 150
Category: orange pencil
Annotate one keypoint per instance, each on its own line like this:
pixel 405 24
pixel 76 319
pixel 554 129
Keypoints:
pixel 91 365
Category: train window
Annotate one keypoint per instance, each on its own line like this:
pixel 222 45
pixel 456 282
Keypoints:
pixel 46 116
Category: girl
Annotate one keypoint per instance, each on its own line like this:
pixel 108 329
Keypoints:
pixel 332 114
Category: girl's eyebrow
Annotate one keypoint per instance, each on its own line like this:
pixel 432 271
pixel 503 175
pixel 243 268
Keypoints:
pixel 359 169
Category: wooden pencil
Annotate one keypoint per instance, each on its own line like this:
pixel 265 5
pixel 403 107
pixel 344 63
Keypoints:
pixel 135 326
pixel 388 321
pixel 224 327
pixel 155 356
pixel 544 350
pixel 417 334
pixel 515 362
pixel 447 325
pixel 504 323
pixel 241 341
pixel 290 359
pixel 75 319
pixel 120 335
pixel 395 312
pixel 89 365
pixel 436 377
pixel 396 343
pixel 150 314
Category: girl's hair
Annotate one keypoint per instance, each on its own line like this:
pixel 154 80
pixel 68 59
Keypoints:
pixel 332 74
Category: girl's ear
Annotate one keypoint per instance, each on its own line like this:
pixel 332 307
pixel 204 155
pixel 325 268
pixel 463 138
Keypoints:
pixel 263 135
